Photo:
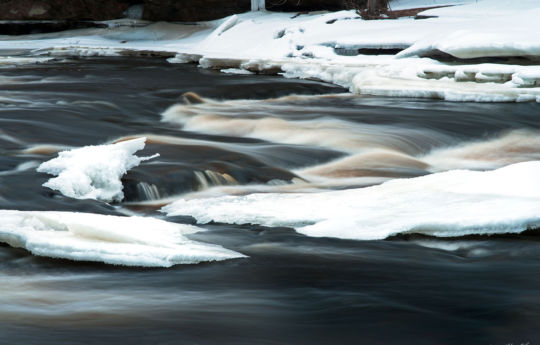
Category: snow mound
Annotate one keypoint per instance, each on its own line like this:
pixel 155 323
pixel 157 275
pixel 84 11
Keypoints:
pixel 128 241
pixel 488 29
pixel 449 204
pixel 406 4
pixel 94 172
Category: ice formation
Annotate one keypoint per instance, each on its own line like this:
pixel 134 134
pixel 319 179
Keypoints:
pixel 94 172
pixel 128 241
pixel 447 204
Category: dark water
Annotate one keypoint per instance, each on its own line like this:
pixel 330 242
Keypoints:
pixel 292 289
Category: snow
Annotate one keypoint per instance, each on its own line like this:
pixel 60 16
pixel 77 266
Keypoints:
pixel 10 61
pixel 94 172
pixel 448 204
pixel 307 46
pixel 488 38
pixel 405 4
pixel 128 241
pixel 236 71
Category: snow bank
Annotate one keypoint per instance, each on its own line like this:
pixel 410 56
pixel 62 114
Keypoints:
pixel 342 48
pixel 406 4
pixel 420 78
pixel 487 28
pixel 449 204
pixel 94 172
pixel 128 241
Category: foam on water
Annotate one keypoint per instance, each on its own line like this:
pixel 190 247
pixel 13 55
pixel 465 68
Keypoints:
pixel 449 204
pixel 94 172
pixel 129 241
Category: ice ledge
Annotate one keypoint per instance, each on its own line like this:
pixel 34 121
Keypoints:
pixel 126 241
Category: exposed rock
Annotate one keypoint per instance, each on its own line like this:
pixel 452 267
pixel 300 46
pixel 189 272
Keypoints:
pixel 25 27
pixel 193 10
pixel 313 5
pixel 155 10
pixel 62 9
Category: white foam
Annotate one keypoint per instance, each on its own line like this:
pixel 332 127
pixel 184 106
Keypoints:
pixel 454 203
pixel 129 241
pixel 94 172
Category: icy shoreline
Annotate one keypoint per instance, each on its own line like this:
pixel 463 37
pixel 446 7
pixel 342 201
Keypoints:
pixel 484 51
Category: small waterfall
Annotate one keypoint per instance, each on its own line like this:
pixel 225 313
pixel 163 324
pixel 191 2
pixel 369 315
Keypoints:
pixel 209 178
pixel 148 191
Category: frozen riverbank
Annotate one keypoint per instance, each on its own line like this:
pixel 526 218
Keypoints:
pixel 481 51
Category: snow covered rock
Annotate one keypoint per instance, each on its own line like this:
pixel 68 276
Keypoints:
pixel 94 172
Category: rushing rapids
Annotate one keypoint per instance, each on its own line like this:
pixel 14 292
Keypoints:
pixel 330 214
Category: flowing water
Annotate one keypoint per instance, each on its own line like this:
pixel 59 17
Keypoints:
pixel 233 135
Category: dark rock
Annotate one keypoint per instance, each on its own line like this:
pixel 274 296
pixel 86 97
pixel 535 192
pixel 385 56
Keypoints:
pixel 155 10
pixel 193 10
pixel 39 27
pixel 62 9
pixel 313 5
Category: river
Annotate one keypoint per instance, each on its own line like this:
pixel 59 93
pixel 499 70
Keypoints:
pixel 226 134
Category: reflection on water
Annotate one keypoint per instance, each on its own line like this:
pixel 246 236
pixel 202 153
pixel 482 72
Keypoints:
pixel 243 134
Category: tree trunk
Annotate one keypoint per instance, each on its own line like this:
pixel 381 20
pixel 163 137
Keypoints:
pixel 258 5
pixel 372 7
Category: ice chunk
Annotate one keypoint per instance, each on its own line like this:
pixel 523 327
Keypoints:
pixel 448 204
pixel 94 172
pixel 129 241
